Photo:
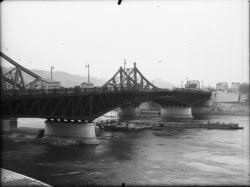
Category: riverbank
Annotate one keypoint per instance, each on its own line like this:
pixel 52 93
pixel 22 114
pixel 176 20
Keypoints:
pixel 28 138
pixel 10 178
pixel 229 108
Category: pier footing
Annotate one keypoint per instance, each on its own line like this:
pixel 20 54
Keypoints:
pixel 177 112
pixel 81 132
pixel 129 110
pixel 8 124
pixel 200 111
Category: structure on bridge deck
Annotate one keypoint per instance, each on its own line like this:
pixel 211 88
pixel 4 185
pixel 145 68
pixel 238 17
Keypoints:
pixel 75 106
pixel 129 78
pixel 16 76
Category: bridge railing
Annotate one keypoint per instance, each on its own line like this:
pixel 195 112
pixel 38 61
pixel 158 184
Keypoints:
pixel 75 90
pixel 79 90
pixel 191 90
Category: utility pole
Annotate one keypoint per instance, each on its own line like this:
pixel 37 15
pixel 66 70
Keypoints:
pixel 124 63
pixel 51 69
pixel 88 71
pixel 135 75
pixel 187 82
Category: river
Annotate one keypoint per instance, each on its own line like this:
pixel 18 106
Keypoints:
pixel 148 157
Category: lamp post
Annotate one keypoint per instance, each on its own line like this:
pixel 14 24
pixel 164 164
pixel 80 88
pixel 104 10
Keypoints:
pixel 187 83
pixel 88 71
pixel 51 70
pixel 124 63
pixel 202 85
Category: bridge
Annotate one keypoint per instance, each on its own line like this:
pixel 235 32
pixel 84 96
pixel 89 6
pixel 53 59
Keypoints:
pixel 128 87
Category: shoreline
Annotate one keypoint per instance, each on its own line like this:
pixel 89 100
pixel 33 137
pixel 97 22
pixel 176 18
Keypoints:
pixel 10 178
pixel 29 139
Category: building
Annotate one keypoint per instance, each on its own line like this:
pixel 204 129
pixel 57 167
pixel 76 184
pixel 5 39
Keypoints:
pixel 87 85
pixel 222 86
pixel 234 87
pixel 195 84
pixel 45 83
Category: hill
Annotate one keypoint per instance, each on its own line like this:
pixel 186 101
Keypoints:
pixel 68 80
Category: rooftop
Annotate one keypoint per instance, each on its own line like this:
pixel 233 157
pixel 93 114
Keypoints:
pixel 49 80
pixel 88 83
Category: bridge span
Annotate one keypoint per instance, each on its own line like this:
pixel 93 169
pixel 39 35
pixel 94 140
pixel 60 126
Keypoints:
pixel 128 87
pixel 88 104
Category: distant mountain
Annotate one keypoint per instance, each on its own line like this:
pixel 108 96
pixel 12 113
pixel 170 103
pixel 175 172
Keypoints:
pixel 68 80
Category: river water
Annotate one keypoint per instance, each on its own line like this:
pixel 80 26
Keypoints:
pixel 148 157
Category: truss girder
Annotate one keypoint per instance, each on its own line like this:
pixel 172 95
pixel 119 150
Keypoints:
pixel 78 106
pixel 75 107
pixel 179 98
pixel 15 77
pixel 131 78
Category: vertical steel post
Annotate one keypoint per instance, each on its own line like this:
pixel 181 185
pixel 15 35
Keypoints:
pixel 88 71
pixel 51 73
pixel 121 77
pixel 135 74
pixel 124 63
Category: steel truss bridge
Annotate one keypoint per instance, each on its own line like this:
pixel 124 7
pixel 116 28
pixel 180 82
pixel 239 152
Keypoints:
pixel 127 86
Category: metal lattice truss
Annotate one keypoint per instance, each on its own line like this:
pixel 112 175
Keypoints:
pixel 17 77
pixel 129 78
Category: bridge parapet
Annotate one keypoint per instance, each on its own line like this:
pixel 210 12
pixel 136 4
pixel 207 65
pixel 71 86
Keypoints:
pixel 89 91
pixel 189 90
pixel 61 91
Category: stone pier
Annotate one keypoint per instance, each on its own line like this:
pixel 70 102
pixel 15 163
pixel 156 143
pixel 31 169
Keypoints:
pixel 177 112
pixel 8 124
pixel 80 131
pixel 129 110
pixel 200 111
pixel 202 108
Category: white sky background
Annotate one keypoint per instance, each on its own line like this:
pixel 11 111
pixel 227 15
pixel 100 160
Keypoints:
pixel 199 39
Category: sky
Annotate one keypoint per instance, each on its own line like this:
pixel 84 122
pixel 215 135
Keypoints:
pixel 204 40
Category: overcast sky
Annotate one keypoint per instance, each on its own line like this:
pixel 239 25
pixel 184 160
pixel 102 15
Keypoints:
pixel 199 39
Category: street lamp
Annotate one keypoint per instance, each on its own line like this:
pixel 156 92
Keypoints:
pixel 88 71
pixel 51 69
pixel 124 63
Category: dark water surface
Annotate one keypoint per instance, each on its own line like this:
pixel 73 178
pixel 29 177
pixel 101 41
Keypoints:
pixel 152 157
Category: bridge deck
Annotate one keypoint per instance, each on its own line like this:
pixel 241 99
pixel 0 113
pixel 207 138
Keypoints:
pixel 89 91
pixel 88 104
